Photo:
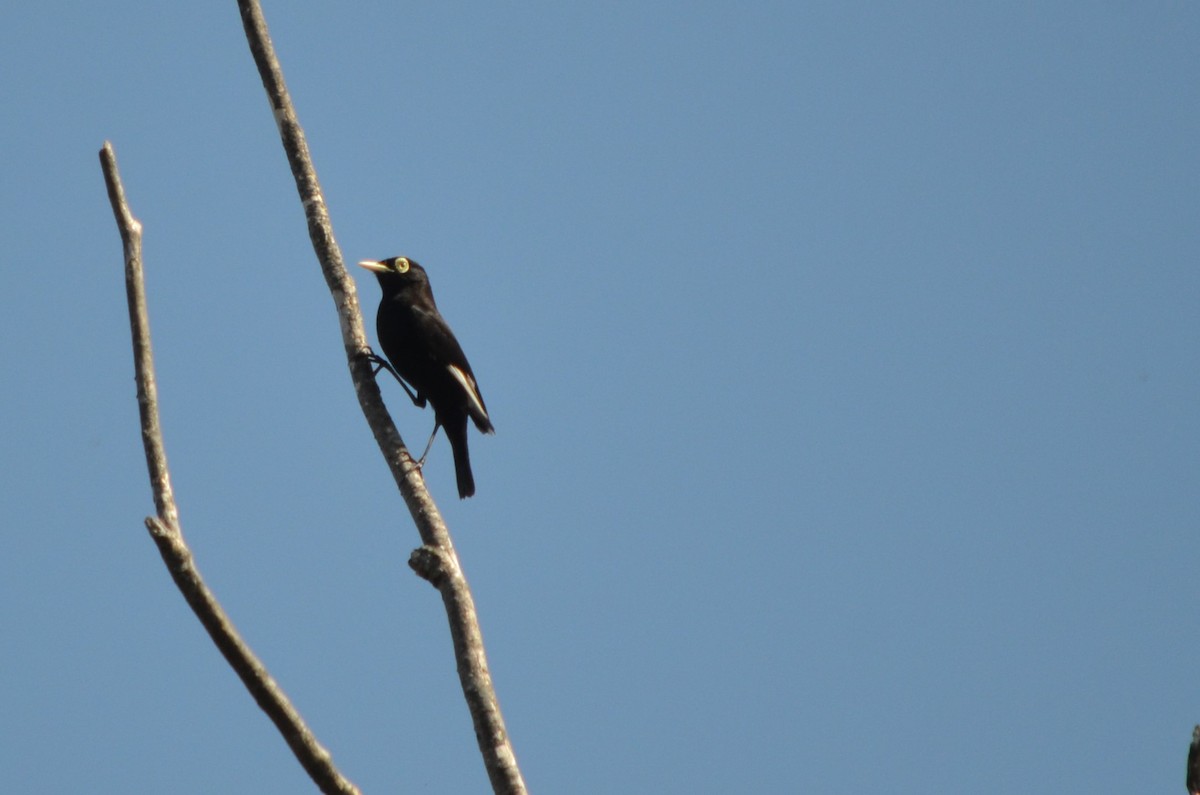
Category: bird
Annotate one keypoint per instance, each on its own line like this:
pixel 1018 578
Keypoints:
pixel 1193 764
pixel 423 351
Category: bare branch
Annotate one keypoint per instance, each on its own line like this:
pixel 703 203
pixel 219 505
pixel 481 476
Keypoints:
pixel 476 682
pixel 139 327
pixel 165 530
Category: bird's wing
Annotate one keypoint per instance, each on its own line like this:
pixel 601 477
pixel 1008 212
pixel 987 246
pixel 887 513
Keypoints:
pixel 443 347
pixel 472 390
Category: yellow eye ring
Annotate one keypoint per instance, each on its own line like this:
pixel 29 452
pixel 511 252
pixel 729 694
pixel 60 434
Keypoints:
pixel 402 264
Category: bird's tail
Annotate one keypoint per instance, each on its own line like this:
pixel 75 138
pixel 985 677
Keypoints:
pixel 482 422
pixel 462 459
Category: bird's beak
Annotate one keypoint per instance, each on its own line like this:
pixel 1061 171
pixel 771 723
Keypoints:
pixel 372 265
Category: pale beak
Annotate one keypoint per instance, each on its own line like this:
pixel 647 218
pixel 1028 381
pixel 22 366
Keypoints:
pixel 372 265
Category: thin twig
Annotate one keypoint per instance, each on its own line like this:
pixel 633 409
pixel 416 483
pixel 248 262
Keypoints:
pixel 139 326
pixel 166 532
pixel 494 743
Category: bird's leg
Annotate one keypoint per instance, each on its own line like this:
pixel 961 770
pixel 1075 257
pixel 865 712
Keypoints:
pixel 421 460
pixel 383 364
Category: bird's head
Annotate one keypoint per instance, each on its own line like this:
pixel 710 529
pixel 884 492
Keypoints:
pixel 402 267
pixel 396 273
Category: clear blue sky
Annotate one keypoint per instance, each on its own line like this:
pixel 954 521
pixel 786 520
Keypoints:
pixel 843 359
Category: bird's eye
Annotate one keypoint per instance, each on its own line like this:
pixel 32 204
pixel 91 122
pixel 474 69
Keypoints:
pixel 402 265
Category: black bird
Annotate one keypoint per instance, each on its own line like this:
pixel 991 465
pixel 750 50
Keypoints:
pixel 423 351
pixel 1193 765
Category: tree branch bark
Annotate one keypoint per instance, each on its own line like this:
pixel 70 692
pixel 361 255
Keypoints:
pixel 166 532
pixel 446 576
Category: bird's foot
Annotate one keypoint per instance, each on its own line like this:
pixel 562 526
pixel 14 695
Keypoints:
pixel 383 364
pixel 379 362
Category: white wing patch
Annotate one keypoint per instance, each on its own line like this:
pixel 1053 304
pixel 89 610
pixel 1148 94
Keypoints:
pixel 468 384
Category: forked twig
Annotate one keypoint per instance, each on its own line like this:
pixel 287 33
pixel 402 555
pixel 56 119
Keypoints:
pixel 165 530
